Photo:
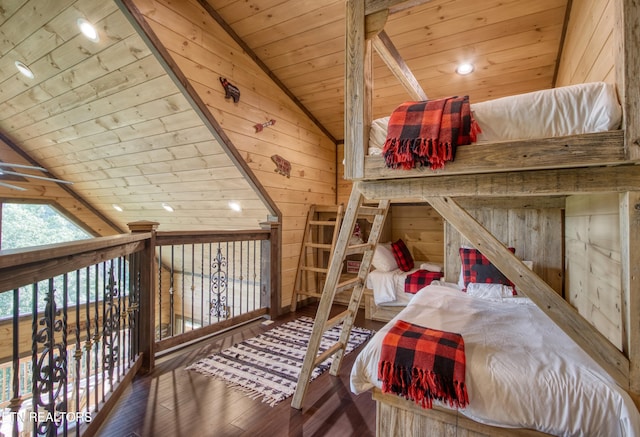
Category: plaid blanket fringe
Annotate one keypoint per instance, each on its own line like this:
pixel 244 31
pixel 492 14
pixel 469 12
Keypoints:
pixel 427 133
pixel 423 364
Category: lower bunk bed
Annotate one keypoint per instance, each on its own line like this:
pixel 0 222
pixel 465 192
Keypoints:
pixel 522 373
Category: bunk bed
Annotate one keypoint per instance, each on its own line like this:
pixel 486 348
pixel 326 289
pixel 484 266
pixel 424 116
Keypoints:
pixel 594 162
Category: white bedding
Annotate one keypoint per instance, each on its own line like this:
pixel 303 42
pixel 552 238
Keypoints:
pixel 522 370
pixel 574 109
pixel 388 287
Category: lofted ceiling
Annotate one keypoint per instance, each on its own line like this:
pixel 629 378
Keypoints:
pixel 108 117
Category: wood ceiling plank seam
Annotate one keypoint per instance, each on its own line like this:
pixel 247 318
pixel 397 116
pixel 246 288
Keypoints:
pixel 25 21
pixel 463 16
pixel 153 109
pixel 43 40
pixel 74 51
pixel 307 53
pixel 189 137
pixel 9 8
pixel 271 143
pixel 264 110
pixel 596 43
pixel 305 38
pixel 185 120
pixel 103 107
pixel 492 37
pixel 108 84
pixel 327 21
pixel 108 61
pixel 277 14
pixel 264 68
pixel 228 10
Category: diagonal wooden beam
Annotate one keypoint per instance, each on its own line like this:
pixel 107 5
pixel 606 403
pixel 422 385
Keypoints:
pixel 391 57
pixel 560 311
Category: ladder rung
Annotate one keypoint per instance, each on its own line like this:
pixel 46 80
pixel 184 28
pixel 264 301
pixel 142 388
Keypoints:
pixel 314 269
pixel 370 211
pixel 358 248
pixel 326 354
pixel 336 320
pixel 349 283
pixel 323 222
pixel 326 208
pixel 318 245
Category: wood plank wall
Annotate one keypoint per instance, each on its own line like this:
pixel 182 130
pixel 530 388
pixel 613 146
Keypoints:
pixel 421 228
pixel 205 52
pixel 592 232
pixel 535 233
pixel 593 262
pixel 589 49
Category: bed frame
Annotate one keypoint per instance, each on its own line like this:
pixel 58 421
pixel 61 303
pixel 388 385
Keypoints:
pixel 560 166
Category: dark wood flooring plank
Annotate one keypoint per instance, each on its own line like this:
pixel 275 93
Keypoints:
pixel 171 401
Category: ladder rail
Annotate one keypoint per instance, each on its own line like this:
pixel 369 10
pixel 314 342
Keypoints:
pixel 331 286
pixel 308 262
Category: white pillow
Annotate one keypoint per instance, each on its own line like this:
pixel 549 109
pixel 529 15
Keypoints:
pixel 431 267
pixel 383 259
pixel 489 291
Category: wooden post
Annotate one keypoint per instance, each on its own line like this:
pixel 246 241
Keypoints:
pixel 630 263
pixel 627 32
pixel 147 293
pixel 357 100
pixel 271 266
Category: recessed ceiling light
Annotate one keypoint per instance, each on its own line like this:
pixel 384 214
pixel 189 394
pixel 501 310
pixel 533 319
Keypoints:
pixel 464 68
pixel 235 206
pixel 26 71
pixel 88 30
pixel 117 207
pixel 167 207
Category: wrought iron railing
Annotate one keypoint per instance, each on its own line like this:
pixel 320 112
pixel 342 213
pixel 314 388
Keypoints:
pixel 85 317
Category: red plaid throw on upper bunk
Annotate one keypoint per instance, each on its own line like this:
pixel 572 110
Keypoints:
pixel 427 133
pixel 419 279
pixel 423 364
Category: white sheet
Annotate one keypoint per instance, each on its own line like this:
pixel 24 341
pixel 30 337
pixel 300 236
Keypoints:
pixel 574 109
pixel 388 287
pixel 522 370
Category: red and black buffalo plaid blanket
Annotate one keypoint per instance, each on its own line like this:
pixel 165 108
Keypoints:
pixel 427 133
pixel 423 364
pixel 419 279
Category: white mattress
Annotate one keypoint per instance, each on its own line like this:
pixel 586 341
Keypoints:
pixel 522 370
pixel 388 287
pixel 574 109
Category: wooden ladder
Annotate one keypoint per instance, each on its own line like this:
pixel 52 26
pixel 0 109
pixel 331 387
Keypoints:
pixel 355 209
pixel 314 245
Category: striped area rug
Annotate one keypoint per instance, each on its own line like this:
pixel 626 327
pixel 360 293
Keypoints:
pixel 268 366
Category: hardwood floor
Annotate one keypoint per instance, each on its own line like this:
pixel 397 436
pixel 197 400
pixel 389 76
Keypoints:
pixel 171 401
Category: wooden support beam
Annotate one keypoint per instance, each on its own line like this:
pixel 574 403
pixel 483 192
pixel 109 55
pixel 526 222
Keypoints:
pixel 558 310
pixel 391 57
pixel 627 32
pixel 630 266
pixel 357 89
pixel 510 184
pixel 374 23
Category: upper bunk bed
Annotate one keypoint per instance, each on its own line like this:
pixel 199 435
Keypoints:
pixel 585 163
pixel 614 145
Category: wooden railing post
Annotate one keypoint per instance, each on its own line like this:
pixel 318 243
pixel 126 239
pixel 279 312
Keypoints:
pixel 147 290
pixel 271 268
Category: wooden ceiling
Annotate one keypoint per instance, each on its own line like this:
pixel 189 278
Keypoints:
pixel 514 45
pixel 107 116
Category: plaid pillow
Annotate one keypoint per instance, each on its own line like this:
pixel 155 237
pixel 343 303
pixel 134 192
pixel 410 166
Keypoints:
pixel 477 268
pixel 402 255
